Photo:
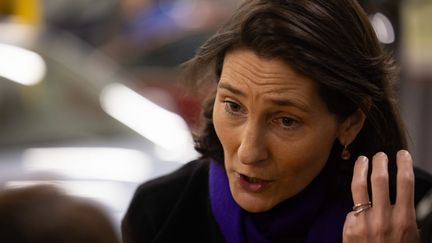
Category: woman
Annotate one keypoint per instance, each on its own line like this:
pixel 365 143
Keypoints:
pixel 302 110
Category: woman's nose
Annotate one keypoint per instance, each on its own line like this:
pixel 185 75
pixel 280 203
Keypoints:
pixel 253 146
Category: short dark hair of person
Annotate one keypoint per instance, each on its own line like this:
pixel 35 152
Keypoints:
pixel 43 214
pixel 330 41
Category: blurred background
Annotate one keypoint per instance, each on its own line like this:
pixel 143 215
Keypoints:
pixel 89 98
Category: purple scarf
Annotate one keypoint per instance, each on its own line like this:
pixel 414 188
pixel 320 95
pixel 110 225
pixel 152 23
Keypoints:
pixel 310 215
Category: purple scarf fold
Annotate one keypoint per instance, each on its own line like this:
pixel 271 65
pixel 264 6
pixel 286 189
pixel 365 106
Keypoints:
pixel 310 215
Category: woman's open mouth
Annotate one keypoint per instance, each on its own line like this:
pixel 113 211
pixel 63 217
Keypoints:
pixel 252 184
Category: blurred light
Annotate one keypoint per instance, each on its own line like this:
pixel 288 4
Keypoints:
pixel 181 12
pixel 424 207
pixel 21 65
pixel 383 28
pixel 90 163
pixel 164 128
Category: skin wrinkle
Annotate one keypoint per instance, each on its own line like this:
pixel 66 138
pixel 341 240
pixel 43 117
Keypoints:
pixel 254 70
pixel 279 101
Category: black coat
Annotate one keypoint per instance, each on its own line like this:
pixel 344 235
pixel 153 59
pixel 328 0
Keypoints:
pixel 176 207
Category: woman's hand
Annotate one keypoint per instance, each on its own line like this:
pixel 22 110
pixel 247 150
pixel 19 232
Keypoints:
pixel 380 221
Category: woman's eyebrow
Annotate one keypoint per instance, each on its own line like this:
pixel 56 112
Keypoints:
pixel 290 102
pixel 232 89
pixel 276 101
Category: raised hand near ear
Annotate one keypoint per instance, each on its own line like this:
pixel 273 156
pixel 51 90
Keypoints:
pixel 376 220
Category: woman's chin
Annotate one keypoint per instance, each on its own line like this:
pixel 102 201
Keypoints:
pixel 253 203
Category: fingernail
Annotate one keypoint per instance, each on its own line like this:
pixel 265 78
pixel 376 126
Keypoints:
pixel 379 155
pixel 363 159
pixel 404 152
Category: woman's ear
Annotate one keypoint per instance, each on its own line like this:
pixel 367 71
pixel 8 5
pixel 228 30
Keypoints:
pixel 351 126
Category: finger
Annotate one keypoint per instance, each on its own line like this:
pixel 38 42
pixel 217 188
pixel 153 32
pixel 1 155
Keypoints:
pixel 405 180
pixel 379 180
pixel 353 228
pixel 359 181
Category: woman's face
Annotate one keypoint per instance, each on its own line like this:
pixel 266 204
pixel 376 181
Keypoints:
pixel 275 130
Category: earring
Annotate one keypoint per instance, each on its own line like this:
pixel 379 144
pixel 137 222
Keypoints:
pixel 345 155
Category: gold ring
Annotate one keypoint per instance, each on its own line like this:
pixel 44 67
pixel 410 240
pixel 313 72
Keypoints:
pixel 362 205
pixel 361 209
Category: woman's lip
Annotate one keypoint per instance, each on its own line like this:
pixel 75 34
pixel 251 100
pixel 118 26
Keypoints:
pixel 252 184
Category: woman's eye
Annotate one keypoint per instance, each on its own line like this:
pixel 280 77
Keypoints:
pixel 232 107
pixel 288 122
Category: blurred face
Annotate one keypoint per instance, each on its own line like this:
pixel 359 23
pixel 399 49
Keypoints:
pixel 275 129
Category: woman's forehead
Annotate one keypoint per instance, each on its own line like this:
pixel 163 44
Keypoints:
pixel 244 68
pixel 246 63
